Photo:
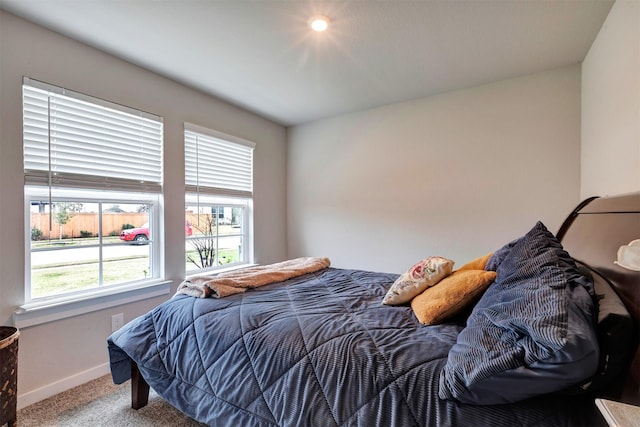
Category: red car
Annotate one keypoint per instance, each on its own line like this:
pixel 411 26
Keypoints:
pixel 141 234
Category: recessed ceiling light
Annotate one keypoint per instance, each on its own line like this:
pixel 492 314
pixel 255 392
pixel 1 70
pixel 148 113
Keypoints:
pixel 319 23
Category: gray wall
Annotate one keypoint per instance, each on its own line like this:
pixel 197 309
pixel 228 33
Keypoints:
pixel 455 175
pixel 61 352
pixel 611 105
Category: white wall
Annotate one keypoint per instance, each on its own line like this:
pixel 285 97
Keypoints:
pixel 611 105
pixel 457 174
pixel 57 354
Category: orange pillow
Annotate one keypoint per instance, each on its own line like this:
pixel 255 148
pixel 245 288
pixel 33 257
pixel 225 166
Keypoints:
pixel 451 295
pixel 478 263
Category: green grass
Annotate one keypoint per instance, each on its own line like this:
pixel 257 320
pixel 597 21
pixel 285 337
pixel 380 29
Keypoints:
pixel 226 256
pixel 55 279
pixel 80 276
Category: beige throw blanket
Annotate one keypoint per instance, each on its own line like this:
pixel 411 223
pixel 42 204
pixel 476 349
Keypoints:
pixel 233 282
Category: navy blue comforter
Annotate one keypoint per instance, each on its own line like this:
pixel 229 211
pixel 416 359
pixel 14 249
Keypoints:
pixel 317 350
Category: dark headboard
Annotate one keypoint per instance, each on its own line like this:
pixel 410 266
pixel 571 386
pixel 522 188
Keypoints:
pixel 592 234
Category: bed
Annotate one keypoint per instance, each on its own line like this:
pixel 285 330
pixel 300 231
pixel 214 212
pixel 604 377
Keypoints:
pixel 320 349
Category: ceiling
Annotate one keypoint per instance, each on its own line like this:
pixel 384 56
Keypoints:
pixel 262 56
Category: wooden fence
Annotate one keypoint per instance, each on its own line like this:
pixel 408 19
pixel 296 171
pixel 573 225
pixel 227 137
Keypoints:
pixel 85 223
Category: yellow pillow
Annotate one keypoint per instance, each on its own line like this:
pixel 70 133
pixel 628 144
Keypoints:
pixel 478 263
pixel 451 295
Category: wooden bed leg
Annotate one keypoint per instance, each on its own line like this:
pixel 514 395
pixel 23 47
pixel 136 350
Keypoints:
pixel 139 388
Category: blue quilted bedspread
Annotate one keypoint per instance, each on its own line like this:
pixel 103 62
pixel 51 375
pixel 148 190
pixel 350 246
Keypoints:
pixel 317 350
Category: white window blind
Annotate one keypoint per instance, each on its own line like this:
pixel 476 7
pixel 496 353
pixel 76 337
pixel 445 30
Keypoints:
pixel 73 140
pixel 216 163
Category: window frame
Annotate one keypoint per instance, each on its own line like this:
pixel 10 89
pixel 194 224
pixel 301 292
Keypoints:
pixel 156 260
pixel 86 188
pixel 246 235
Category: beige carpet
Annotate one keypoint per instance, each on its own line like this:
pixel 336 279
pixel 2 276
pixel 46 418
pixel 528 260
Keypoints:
pixel 101 403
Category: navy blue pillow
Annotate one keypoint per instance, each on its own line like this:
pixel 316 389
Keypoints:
pixel 531 333
pixel 499 255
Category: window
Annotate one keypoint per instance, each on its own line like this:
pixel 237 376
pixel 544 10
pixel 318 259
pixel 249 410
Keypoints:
pixel 219 183
pixel 93 183
pixel 86 247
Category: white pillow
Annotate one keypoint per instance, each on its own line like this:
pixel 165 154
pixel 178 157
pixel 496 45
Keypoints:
pixel 422 275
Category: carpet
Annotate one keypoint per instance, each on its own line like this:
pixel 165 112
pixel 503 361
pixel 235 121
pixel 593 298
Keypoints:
pixel 101 403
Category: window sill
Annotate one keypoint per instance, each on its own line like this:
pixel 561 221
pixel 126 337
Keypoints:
pixel 40 312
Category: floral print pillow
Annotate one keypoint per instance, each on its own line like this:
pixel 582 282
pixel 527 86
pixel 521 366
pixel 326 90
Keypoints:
pixel 422 275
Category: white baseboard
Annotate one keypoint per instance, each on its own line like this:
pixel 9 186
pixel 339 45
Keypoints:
pixel 64 384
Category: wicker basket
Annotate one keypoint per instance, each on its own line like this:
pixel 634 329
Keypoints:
pixel 8 374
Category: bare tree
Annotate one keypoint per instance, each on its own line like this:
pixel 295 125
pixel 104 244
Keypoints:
pixel 205 243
